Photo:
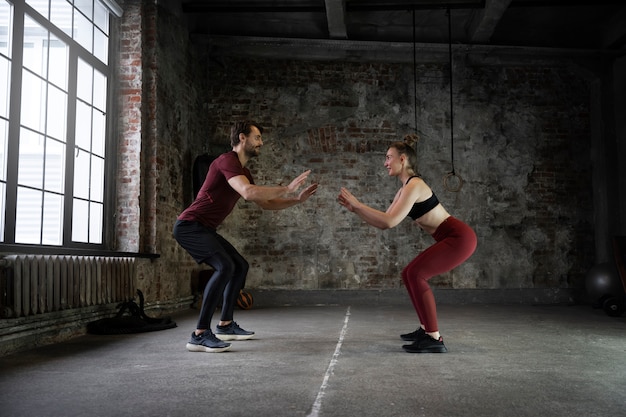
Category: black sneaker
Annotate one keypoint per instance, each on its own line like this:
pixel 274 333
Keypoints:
pixel 426 345
pixel 233 332
pixel 413 336
pixel 206 342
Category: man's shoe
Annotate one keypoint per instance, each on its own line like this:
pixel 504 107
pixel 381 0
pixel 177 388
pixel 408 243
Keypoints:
pixel 426 345
pixel 233 332
pixel 413 336
pixel 206 342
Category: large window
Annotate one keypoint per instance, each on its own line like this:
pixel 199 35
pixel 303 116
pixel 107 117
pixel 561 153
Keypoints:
pixel 55 79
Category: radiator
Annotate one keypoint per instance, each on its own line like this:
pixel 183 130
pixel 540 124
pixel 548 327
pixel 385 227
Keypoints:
pixel 38 284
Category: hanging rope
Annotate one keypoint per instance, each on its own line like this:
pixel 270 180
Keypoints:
pixel 451 96
pixel 451 181
pixel 414 72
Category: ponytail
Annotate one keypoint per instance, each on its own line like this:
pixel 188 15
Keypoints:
pixel 411 138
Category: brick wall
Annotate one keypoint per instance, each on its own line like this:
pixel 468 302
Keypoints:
pixel 160 119
pixel 130 78
pixel 521 145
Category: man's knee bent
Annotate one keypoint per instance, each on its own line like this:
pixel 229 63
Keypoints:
pixel 222 264
pixel 244 266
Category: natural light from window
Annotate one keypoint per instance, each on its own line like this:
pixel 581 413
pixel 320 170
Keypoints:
pixel 52 163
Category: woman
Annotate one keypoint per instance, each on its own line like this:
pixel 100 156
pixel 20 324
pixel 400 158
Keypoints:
pixel 454 243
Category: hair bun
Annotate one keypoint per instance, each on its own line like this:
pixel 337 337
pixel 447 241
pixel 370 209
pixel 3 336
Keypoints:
pixel 411 138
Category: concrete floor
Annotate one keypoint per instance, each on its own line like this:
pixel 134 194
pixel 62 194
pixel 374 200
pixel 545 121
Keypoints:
pixel 336 361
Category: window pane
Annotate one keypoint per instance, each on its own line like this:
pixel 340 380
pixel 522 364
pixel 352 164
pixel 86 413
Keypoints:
pixel 83 125
pixel 30 163
pixel 99 129
pixel 35 47
pixel 81 174
pixel 83 31
pixel 100 46
pixel 61 15
pixel 33 93
pixel 57 72
pixel 80 219
pixel 5 70
pixel 95 223
pixel 85 6
pixel 4 140
pixel 99 91
pixel 97 179
pixel 40 5
pixel 57 113
pixel 52 228
pixel 28 216
pixel 85 81
pixel 101 17
pixel 4 131
pixel 3 194
pixel 6 27
pixel 55 166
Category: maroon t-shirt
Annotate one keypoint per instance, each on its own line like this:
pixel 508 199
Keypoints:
pixel 216 197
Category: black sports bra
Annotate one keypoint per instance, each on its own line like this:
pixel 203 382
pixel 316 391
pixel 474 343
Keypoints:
pixel 423 207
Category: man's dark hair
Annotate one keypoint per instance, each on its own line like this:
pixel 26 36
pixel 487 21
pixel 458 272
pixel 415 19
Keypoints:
pixel 243 126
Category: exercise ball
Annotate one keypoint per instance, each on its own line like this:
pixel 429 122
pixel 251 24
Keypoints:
pixel 603 280
pixel 244 300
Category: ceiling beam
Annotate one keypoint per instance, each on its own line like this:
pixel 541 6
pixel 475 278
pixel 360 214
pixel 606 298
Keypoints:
pixel 486 20
pixel 565 3
pixel 367 51
pixel 336 18
pixel 386 5
pixel 195 6
pixel 247 7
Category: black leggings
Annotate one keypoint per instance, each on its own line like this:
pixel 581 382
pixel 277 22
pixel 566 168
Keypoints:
pixel 230 268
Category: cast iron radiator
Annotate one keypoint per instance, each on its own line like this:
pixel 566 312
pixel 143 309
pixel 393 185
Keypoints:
pixel 38 284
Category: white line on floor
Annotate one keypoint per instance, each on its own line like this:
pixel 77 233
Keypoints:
pixel 317 405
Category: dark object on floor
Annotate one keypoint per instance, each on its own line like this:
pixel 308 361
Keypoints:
pixel 615 305
pixel 136 321
pixel 608 281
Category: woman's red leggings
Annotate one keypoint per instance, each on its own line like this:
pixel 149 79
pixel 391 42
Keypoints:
pixel 454 243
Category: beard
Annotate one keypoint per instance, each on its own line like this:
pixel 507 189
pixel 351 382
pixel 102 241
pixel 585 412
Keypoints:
pixel 252 151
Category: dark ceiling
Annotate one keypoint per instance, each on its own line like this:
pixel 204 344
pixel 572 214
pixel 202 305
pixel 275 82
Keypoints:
pixel 576 24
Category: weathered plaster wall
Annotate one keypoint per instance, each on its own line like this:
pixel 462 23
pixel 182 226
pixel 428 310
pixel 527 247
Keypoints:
pixel 521 144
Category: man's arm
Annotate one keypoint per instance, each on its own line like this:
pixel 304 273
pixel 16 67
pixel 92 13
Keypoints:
pixel 262 195
pixel 252 192
pixel 283 203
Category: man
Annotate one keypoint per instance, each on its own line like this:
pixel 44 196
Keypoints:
pixel 228 179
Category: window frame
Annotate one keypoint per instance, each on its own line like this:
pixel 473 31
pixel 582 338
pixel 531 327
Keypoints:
pixel 75 52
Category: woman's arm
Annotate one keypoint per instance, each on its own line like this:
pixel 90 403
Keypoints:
pixel 396 212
